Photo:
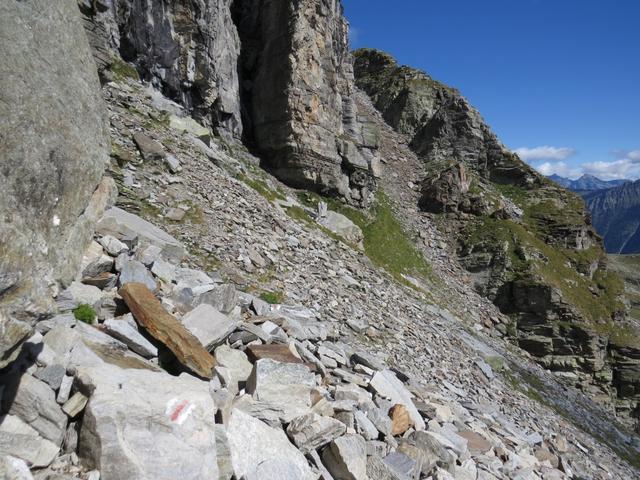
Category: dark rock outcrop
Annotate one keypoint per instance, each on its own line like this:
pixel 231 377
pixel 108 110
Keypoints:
pixel 188 50
pixel 53 151
pixel 276 73
pixel 527 243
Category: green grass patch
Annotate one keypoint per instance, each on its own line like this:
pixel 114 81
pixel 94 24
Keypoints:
pixel 385 242
pixel 262 188
pixel 122 70
pixel 272 298
pixel 85 313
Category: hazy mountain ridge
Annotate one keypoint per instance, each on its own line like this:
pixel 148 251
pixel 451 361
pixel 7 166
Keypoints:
pixel 586 183
pixel 616 215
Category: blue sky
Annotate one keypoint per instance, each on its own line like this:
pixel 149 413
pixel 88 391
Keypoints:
pixel 557 80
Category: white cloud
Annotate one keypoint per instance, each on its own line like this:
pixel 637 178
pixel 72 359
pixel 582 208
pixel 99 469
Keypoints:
pixel 545 152
pixel 634 155
pixel 559 168
pixel 618 169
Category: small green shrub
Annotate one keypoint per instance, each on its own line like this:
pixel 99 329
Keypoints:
pixel 273 298
pixel 85 313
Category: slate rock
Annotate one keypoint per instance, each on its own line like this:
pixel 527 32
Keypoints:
pixel 52 375
pixel 12 468
pixel 386 384
pixel 346 458
pixel 208 325
pixel 134 271
pixel 147 425
pixel 259 451
pixel 20 440
pixel 312 431
pixel 34 402
pixel 130 336
pixel 149 312
pixel 237 364
pixel 284 384
pixel 121 225
pixel 149 149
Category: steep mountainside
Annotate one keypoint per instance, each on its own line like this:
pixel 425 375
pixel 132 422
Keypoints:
pixel 278 74
pixel 616 216
pixel 284 288
pixel 586 183
pixel 527 243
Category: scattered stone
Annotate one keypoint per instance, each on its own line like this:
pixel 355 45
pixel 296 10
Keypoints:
pixel 75 404
pixel 20 440
pixel 284 384
pixel 386 384
pixel 134 271
pixel 279 353
pixel 223 298
pixel 260 452
pixel 237 364
pixel 208 325
pixel 341 225
pixel 161 325
pixel 12 468
pixel 122 224
pixel 112 245
pixel 65 389
pixel 311 431
pixel 165 271
pixel 34 402
pixel 175 214
pixel 52 375
pixel 476 443
pixel 150 150
pixel 346 458
pixel 172 414
pixel 128 335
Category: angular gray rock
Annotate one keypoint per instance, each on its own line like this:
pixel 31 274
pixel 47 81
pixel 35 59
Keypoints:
pixel 341 225
pixel 173 415
pixel 12 468
pixel 312 431
pixel 134 271
pixel 259 451
pixel 133 339
pixel 287 385
pixel 120 224
pixel 53 152
pixel 386 384
pixel 346 458
pixel 22 441
pixel 237 365
pixel 34 403
pixel 208 325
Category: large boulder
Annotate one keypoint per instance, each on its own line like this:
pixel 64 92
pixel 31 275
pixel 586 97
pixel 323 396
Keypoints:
pixel 53 151
pixel 147 425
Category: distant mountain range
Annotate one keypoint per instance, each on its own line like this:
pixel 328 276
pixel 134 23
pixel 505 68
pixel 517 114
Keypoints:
pixel 615 213
pixel 614 207
pixel 586 183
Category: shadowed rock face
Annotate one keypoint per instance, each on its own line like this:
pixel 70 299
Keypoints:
pixel 188 50
pixel 276 73
pixel 298 87
pixel 53 150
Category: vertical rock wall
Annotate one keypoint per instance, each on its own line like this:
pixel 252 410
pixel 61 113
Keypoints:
pixel 53 151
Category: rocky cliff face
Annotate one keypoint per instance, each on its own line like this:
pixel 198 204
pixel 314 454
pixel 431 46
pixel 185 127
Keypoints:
pixel 527 243
pixel 275 73
pixel 53 150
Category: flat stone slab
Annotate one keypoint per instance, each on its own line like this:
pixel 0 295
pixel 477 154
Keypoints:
pixel 259 451
pixel 121 330
pixel 386 384
pixel 208 325
pixel 313 431
pixel 279 353
pixel 119 223
pixel 149 312
pixel 148 425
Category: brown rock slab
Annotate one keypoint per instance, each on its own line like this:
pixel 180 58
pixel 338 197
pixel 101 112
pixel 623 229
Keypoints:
pixel 400 419
pixel 476 442
pixel 164 327
pixel 279 353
